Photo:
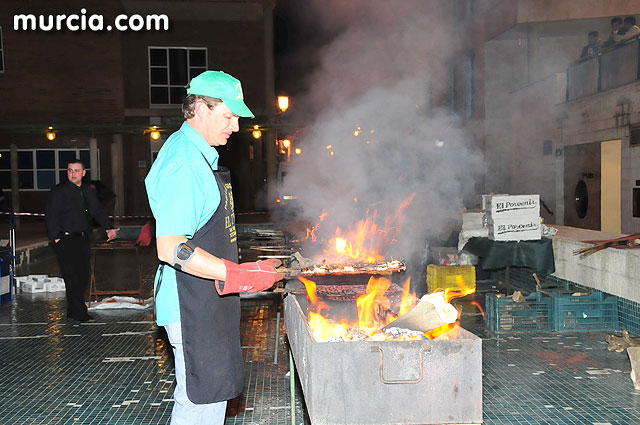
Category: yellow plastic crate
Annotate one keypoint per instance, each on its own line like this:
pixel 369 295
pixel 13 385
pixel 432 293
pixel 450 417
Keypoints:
pixel 442 277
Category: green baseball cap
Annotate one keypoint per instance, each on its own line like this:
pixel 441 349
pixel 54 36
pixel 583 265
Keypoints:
pixel 222 86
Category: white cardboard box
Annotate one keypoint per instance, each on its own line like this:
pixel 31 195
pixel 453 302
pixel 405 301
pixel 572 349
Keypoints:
pixel 503 206
pixel 54 284
pixel 515 229
pixel 473 220
pixel 487 198
pixel 34 286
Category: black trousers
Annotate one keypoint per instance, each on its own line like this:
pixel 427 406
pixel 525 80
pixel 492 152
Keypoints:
pixel 73 256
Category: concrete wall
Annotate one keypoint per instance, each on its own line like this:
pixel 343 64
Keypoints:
pixel 524 80
pixel 606 116
pixel 562 10
pixel 614 271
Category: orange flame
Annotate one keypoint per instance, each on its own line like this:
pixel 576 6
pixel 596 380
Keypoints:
pixel 373 308
pixel 366 240
pixel 477 304
pixel 449 294
pixel 310 285
pixel 409 300
pixel 311 233
pixel 373 305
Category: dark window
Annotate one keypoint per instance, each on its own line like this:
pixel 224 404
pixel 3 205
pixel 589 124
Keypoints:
pixel 634 136
pixel 5 160
pixel 46 179
pixel 170 70
pixel 636 201
pixel 64 157
pixel 1 53
pixel 159 76
pixel 85 157
pixel 178 67
pixel 198 58
pixel 48 169
pixel 25 179
pixel 177 95
pixel 194 72
pixel 5 180
pixel 159 95
pixel 25 160
pixel 45 159
pixel 158 57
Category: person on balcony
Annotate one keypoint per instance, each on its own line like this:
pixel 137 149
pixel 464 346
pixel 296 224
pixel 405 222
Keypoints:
pixel 616 24
pixel 628 31
pixel 594 45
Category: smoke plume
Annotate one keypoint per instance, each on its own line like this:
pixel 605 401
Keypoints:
pixel 376 131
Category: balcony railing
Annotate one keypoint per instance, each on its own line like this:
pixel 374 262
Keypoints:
pixel 613 67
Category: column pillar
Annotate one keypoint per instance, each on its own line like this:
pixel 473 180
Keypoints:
pixel 269 137
pixel 93 159
pixel 117 173
pixel 15 184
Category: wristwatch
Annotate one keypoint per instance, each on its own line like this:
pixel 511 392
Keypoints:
pixel 184 253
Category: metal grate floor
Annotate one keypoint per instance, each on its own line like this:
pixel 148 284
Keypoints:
pixel 117 370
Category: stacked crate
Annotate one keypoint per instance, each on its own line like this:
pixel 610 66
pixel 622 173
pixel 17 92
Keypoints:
pixel 592 312
pixel 552 312
pixel 443 277
pixel 514 217
pixel 505 315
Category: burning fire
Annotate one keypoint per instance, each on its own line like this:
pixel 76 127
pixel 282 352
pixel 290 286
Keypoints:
pixel 364 242
pixel 374 312
pixel 449 294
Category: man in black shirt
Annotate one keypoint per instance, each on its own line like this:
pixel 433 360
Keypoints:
pixel 69 212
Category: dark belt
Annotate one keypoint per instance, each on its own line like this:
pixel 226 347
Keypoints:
pixel 82 234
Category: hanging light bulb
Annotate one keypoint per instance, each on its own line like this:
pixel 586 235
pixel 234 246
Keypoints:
pixel 256 132
pixel 154 133
pixel 51 135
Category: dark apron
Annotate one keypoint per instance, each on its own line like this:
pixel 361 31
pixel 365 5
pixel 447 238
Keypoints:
pixel 211 323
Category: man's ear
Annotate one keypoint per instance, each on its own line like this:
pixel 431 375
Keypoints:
pixel 200 112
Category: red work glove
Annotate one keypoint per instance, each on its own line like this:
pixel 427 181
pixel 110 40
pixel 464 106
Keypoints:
pixel 249 277
pixel 144 239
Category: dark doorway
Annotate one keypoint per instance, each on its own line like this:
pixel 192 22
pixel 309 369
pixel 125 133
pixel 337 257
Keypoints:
pixel 582 164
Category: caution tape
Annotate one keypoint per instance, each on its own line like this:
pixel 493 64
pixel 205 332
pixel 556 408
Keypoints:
pixel 30 214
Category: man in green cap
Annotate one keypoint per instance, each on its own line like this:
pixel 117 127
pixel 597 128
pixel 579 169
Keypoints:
pixel 199 279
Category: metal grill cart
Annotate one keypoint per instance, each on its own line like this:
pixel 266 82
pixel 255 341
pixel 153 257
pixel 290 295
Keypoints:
pixel 120 260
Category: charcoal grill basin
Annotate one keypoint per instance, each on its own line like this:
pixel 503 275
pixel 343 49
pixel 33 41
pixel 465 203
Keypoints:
pixel 390 382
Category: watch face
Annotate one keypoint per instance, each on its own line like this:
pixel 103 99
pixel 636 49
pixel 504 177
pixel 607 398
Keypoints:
pixel 184 252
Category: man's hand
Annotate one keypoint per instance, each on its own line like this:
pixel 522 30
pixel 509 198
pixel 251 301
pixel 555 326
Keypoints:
pixel 249 277
pixel 112 234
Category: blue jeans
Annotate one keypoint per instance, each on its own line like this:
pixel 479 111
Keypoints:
pixel 184 411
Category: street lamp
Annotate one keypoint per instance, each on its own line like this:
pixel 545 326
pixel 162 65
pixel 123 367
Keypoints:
pixel 283 103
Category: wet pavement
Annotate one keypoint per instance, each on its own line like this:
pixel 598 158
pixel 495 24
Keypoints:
pixel 118 370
